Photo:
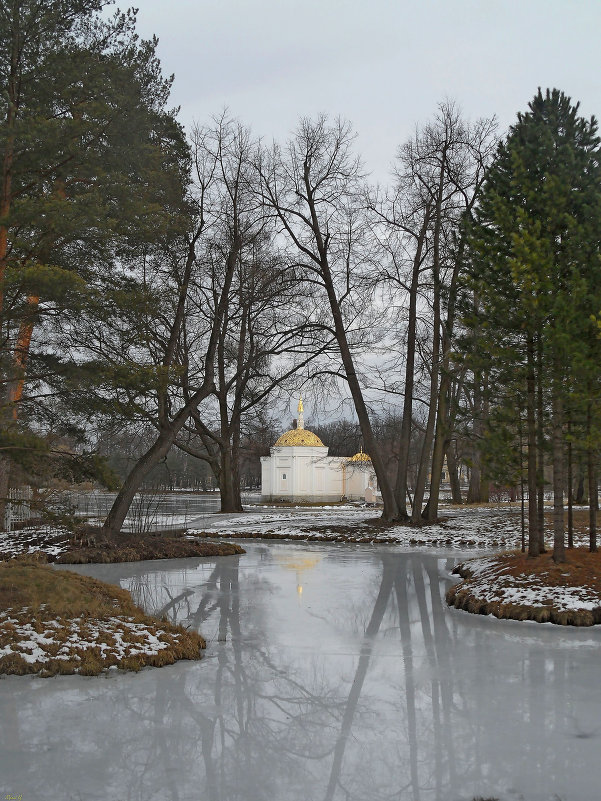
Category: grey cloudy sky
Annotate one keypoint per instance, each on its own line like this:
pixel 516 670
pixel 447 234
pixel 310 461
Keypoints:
pixel 383 64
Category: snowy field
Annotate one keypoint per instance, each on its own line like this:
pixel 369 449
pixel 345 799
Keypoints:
pixel 466 527
pixel 471 528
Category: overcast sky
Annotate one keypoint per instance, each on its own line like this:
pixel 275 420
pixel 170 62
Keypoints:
pixel 383 64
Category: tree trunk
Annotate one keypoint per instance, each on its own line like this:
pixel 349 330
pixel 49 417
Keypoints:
pixel 405 436
pixel 418 496
pixel 533 541
pixel 484 481
pixel 592 485
pixel 170 429
pixel 592 503
pixel 456 496
pixel 229 482
pixel 422 473
pixel 390 511
pixel 558 463
pixel 581 494
pixel 570 482
pixel 133 482
pixel 473 492
pixel 540 447
pixel 443 419
pixel 438 452
pixel 4 485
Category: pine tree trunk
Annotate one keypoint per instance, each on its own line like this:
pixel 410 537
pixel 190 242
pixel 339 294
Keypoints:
pixel 4 485
pixel 581 494
pixel 592 504
pixel 540 448
pixel 592 485
pixel 570 499
pixel 473 492
pixel 558 464
pixel 533 541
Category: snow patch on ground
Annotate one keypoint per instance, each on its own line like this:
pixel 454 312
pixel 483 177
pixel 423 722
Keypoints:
pixel 469 527
pixel 43 641
pixel 490 581
pixel 50 540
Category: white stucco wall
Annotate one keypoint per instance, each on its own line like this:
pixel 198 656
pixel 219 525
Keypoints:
pixel 306 473
pixel 301 473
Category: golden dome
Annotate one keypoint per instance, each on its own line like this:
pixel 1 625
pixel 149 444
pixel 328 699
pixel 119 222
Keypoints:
pixel 299 437
pixel 360 457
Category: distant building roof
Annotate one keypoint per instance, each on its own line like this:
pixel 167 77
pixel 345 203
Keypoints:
pixel 360 457
pixel 299 437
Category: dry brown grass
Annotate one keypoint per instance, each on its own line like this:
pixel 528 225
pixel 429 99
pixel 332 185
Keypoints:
pixel 55 601
pixel 581 569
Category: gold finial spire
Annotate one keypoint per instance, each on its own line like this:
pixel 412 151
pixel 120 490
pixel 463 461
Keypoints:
pixel 301 422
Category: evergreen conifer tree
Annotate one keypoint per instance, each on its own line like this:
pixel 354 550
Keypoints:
pixel 535 246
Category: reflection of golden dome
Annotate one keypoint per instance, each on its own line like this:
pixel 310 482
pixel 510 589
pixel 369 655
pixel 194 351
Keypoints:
pixel 299 437
pixel 360 457
pixel 298 563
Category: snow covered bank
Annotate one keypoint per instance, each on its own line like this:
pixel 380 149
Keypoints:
pixel 514 586
pixel 59 622
pixel 475 528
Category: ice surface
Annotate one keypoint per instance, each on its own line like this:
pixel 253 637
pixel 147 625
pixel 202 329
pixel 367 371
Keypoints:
pixel 332 672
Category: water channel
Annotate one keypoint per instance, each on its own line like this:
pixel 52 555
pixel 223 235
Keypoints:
pixel 333 672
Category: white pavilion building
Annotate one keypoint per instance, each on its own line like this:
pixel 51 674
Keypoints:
pixel 299 469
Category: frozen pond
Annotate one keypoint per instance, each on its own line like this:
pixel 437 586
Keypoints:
pixel 332 672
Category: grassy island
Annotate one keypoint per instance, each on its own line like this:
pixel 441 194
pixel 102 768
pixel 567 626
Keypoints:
pixel 54 622
pixel 512 585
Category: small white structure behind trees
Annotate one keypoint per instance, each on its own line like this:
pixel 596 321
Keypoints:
pixel 299 469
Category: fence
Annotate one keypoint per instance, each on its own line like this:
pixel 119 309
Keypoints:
pixel 18 507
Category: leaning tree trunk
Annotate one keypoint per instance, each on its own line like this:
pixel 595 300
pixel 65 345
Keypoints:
pixel 158 450
pixel 170 428
pixel 390 511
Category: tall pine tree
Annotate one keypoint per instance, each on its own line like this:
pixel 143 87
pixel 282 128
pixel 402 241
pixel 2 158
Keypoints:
pixel 535 246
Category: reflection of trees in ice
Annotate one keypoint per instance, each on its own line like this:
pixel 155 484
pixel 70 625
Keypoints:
pixel 425 703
